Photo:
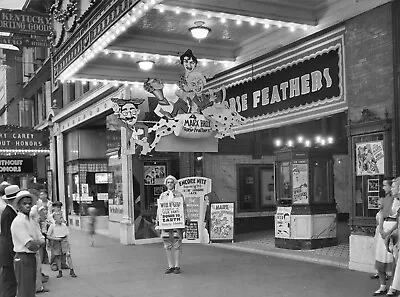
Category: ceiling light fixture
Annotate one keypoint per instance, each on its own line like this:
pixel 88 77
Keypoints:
pixel 145 65
pixel 200 31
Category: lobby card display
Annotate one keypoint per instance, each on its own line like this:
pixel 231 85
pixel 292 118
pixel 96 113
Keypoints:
pixel 370 158
pixel 222 221
pixel 194 189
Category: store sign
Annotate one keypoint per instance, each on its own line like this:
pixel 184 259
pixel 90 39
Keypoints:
pixel 16 138
pixel 19 40
pixel 16 166
pixel 295 85
pixel 18 21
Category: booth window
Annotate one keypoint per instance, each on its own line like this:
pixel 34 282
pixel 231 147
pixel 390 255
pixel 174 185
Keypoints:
pixel 256 187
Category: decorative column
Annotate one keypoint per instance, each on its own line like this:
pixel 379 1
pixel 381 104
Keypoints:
pixel 127 227
pixel 61 171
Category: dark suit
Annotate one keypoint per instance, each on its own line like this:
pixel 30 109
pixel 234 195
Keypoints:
pixel 7 278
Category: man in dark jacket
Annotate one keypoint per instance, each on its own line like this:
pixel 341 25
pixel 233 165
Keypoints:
pixel 8 281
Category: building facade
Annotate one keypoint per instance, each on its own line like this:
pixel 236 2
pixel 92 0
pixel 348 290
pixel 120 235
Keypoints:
pixel 321 110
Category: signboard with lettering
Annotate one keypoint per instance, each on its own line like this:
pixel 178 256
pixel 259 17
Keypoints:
pixel 300 83
pixel 170 214
pixel 18 21
pixel 115 212
pixel 194 189
pixel 222 221
pixel 282 222
pixel 192 231
pixel 17 138
pixel 16 166
pixel 27 41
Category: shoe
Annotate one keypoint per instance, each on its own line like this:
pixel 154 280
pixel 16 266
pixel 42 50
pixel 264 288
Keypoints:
pixel 169 270
pixel 393 293
pixel 177 270
pixel 72 273
pixel 42 290
pixel 59 274
pixel 374 276
pixel 380 292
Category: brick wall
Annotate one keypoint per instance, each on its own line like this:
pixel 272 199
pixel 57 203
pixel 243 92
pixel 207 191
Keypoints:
pixel 369 62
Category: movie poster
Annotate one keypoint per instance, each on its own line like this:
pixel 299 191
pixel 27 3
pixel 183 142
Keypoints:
pixel 370 158
pixel 282 222
pixel 154 175
pixel 300 181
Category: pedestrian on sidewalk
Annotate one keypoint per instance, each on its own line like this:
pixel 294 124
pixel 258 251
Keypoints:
pixel 387 224
pixel 35 218
pixel 58 236
pixel 92 211
pixel 172 238
pixel 8 282
pixel 27 240
pixel 3 205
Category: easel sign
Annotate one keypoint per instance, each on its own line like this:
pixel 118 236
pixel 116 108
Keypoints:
pixel 222 221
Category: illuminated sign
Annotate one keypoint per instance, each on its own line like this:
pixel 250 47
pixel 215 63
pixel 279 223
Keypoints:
pixel 16 166
pixel 16 138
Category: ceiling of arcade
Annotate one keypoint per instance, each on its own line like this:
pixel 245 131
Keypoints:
pixel 241 30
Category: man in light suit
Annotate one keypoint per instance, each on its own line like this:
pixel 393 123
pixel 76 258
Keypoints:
pixel 8 282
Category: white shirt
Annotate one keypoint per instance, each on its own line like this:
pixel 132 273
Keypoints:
pixel 24 230
pixel 58 231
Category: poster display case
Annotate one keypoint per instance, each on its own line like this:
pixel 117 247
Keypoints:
pixel 306 212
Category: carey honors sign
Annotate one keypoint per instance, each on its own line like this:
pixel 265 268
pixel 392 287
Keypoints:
pixel 15 138
pixel 16 166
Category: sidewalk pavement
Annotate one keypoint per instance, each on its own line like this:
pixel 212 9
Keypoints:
pixel 113 270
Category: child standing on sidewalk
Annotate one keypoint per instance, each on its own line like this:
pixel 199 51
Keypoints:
pixel 92 224
pixel 58 235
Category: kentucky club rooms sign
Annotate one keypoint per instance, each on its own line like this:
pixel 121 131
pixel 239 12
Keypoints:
pixel 313 79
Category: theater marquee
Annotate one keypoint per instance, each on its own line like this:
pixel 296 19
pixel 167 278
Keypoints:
pixel 23 139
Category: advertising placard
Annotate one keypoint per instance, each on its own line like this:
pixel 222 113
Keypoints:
pixel 27 41
pixel 16 166
pixel 222 221
pixel 194 189
pixel 282 222
pixel 370 158
pixel 300 181
pixel 154 175
pixel 171 214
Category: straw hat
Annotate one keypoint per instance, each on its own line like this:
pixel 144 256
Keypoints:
pixel 23 194
pixel 11 192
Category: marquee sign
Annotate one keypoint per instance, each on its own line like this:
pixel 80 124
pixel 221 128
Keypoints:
pixel 17 138
pixel 300 83
pixel 18 21
pixel 16 166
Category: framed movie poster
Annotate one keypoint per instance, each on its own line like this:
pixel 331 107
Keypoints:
pixel 373 202
pixel 154 174
pixel 370 158
pixel 373 185
pixel 222 219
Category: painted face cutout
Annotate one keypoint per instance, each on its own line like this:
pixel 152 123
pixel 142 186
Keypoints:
pixel 189 64
pixel 129 113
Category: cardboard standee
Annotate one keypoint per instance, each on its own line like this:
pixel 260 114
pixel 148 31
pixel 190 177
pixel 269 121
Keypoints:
pixel 194 190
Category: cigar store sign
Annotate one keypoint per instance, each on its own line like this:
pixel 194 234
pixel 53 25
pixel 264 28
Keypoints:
pixel 16 166
pixel 18 21
pixel 303 83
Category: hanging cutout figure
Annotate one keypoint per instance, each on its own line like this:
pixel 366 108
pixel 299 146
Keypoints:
pixel 127 110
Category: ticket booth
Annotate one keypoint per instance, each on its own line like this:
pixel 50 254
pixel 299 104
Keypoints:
pixel 306 209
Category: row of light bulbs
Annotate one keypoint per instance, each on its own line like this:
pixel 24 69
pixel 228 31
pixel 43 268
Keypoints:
pixel 140 9
pixel 300 140
pixel 116 83
pixel 117 29
pixel 168 59
pixel 239 19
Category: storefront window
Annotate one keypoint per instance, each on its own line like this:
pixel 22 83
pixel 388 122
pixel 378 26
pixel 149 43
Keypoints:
pixel 285 185
pixel 256 187
pixel 321 191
